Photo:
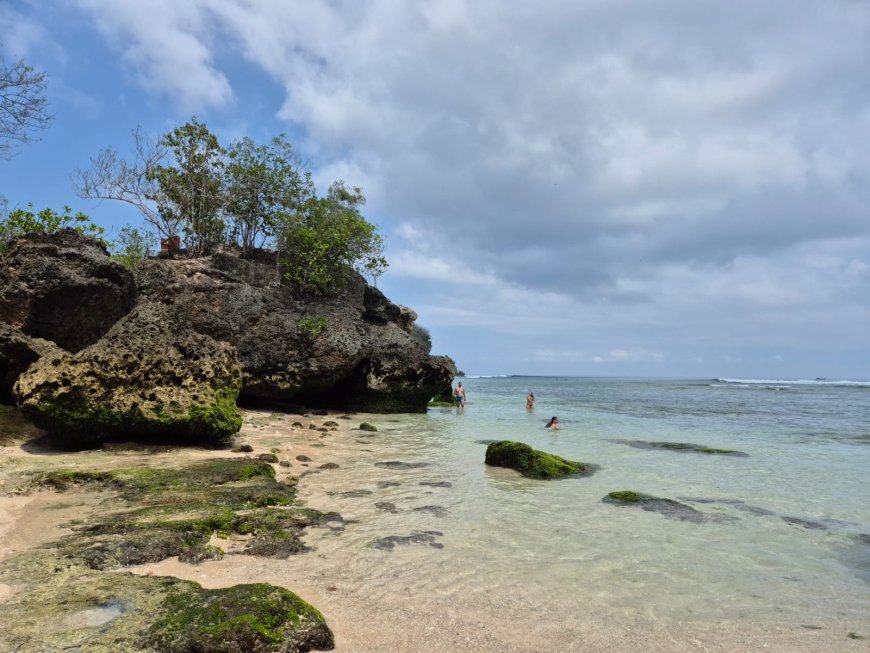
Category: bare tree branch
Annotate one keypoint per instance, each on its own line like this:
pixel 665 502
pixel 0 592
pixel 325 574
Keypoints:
pixel 23 106
pixel 111 177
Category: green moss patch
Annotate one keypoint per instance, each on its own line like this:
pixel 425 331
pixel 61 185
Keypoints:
pixel 256 617
pixel 57 600
pixel 175 512
pixel 74 423
pixel 667 507
pixel 532 462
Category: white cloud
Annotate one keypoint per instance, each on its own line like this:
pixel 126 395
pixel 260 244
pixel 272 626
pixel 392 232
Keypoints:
pixel 590 171
pixel 168 45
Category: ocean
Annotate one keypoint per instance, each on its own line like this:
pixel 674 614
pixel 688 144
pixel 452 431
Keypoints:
pixel 778 539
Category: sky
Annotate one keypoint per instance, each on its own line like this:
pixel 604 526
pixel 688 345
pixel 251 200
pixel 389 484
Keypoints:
pixel 678 188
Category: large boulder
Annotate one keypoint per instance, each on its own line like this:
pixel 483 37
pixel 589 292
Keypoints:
pixel 19 351
pixel 146 378
pixel 532 462
pixel 354 351
pixel 63 287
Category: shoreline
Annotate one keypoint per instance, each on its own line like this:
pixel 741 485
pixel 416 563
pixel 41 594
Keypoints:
pixel 384 611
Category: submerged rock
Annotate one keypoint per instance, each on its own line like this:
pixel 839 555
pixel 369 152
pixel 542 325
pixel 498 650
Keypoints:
pixel 398 464
pixel 667 507
pixel 532 462
pixel 416 537
pixel 682 447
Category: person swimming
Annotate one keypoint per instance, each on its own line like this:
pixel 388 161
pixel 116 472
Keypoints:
pixel 530 400
pixel 553 424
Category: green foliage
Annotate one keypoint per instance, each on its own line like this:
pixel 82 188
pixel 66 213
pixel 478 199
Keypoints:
pixel 261 183
pixel 18 222
pixel 312 327
pixel 247 194
pixel 321 245
pixel 132 247
pixel 191 187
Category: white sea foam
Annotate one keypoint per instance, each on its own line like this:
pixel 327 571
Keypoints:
pixel 789 382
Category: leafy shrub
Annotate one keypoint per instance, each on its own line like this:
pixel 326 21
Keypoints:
pixel 18 222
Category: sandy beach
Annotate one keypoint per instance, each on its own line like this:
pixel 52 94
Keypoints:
pixel 376 600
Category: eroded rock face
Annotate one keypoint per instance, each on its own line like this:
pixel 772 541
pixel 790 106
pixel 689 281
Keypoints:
pixel 354 351
pixel 145 378
pixel 19 351
pixel 64 288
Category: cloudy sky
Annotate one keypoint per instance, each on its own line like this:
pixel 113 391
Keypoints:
pixel 592 187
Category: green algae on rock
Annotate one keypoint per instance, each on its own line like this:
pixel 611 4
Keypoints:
pixel 667 507
pixel 145 379
pixel 178 510
pixel 254 617
pixel 148 614
pixel 532 462
pixel 365 426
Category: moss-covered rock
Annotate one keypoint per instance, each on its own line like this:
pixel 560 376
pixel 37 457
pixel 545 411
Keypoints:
pixel 667 507
pixel 61 605
pixel 256 617
pixel 178 510
pixel 532 462
pixel 365 426
pixel 143 380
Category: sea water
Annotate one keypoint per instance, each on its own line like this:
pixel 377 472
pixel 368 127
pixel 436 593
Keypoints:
pixel 784 536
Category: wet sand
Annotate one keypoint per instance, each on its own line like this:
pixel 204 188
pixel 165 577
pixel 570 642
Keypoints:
pixel 377 600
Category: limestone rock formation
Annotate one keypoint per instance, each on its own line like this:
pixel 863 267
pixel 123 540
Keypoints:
pixel 17 352
pixel 169 352
pixel 145 378
pixel 354 351
pixel 64 288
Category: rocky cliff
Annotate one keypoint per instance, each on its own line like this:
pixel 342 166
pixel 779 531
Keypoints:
pixel 91 351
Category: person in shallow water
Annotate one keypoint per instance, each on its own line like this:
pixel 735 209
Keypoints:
pixel 553 424
pixel 459 396
pixel 530 400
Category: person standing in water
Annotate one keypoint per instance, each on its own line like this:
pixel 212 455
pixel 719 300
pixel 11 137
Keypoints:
pixel 530 400
pixel 459 396
pixel 553 424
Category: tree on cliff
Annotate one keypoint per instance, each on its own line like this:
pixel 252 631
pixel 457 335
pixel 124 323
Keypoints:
pixel 321 245
pixel 245 194
pixel 191 185
pixel 133 181
pixel 23 105
pixel 261 184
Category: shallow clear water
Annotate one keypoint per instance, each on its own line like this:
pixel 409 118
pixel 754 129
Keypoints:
pixel 788 540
